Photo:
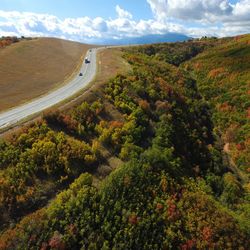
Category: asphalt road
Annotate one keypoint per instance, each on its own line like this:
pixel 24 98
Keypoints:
pixel 14 115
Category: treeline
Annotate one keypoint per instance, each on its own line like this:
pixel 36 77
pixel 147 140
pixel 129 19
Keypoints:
pixel 173 192
pixel 6 41
pixel 176 53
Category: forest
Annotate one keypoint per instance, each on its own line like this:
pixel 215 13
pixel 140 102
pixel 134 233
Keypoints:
pixel 178 123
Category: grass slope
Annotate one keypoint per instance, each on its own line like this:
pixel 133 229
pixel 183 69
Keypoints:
pixel 29 69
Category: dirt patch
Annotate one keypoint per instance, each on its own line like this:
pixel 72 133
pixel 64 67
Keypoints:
pixel 29 69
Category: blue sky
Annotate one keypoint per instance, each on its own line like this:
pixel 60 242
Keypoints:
pixel 87 20
pixel 78 8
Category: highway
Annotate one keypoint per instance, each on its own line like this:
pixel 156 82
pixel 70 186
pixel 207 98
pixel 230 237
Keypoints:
pixel 17 114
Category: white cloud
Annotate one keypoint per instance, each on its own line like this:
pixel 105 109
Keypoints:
pixel 218 17
pixel 191 17
pixel 159 8
pixel 82 29
pixel 100 24
pixel 190 9
pixel 123 13
pixel 242 7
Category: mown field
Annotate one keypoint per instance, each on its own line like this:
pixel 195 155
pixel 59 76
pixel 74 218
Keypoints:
pixel 31 68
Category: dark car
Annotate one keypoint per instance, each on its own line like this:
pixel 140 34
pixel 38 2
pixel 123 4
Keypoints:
pixel 80 74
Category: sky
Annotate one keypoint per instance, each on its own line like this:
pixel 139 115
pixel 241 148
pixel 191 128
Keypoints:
pixel 91 20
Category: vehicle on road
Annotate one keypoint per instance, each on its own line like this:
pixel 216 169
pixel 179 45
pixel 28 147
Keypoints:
pixel 86 60
pixel 84 77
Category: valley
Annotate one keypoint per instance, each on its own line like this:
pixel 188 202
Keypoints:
pixel 142 159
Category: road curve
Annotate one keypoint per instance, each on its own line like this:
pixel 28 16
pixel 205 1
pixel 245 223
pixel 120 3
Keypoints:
pixel 14 115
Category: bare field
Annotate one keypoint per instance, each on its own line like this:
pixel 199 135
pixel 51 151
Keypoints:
pixel 110 63
pixel 29 69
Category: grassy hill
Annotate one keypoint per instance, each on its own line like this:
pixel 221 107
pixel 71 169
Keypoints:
pixel 171 186
pixel 31 68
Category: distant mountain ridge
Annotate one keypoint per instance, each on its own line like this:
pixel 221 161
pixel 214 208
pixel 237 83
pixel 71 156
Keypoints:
pixel 147 39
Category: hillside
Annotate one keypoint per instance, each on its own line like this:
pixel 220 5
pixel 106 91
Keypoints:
pixel 31 68
pixel 138 164
pixel 223 78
